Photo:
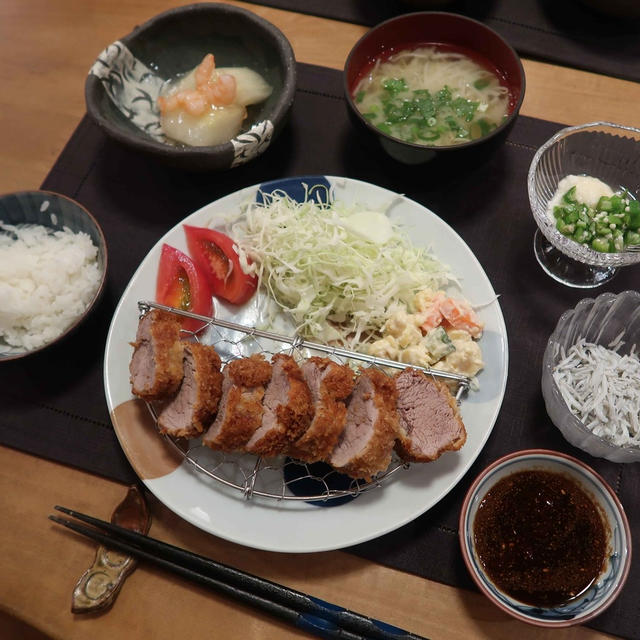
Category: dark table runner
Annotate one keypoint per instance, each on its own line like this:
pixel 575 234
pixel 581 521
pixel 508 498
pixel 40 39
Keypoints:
pixel 565 32
pixel 53 403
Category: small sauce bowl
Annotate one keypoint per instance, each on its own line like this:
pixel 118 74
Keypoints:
pixel 617 558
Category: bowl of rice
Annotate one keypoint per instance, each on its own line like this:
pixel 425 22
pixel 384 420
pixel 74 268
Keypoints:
pixel 53 264
pixel 591 376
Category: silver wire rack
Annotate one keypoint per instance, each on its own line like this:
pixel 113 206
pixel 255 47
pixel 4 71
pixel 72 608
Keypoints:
pixel 280 478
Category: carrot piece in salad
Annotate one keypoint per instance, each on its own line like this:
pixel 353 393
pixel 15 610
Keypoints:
pixel 460 315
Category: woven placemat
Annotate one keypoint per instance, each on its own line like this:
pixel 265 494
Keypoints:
pixel 53 403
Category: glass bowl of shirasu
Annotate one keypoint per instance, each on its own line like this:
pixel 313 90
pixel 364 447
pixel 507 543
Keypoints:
pixel 591 376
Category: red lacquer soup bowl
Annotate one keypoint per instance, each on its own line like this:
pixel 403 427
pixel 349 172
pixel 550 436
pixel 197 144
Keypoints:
pixel 444 32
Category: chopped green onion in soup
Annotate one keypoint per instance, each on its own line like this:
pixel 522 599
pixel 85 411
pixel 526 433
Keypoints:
pixel 432 97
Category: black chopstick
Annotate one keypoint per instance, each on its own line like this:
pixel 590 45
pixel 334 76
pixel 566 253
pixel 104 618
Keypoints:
pixel 307 613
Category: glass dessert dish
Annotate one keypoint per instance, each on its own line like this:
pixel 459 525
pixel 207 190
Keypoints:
pixel 603 150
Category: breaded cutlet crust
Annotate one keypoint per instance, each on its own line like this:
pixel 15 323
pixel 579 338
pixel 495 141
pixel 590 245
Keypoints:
pixel 164 339
pixel 330 414
pixel 208 380
pixel 251 371
pixel 293 417
pixel 376 456
pixel 338 383
pixel 243 408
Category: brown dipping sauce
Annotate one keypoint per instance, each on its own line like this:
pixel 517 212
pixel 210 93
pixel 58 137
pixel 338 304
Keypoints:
pixel 540 537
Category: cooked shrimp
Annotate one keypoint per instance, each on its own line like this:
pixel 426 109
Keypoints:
pixel 217 89
pixel 223 91
pixel 193 102
pixel 459 315
pixel 168 103
pixel 204 71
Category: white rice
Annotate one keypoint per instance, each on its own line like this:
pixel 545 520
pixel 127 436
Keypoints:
pixel 47 279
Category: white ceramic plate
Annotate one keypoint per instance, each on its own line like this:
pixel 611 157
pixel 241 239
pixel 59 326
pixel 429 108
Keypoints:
pixel 292 526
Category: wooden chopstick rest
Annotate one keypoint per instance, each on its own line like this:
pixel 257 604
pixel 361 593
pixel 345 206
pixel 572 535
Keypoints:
pixel 100 584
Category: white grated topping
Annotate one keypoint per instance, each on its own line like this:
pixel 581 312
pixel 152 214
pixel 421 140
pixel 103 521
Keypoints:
pixel 602 389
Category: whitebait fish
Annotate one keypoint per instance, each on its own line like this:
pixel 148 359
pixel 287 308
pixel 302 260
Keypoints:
pixel 602 389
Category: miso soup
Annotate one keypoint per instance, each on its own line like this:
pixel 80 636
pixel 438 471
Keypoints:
pixel 433 96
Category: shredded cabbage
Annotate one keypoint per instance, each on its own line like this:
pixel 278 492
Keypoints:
pixel 336 284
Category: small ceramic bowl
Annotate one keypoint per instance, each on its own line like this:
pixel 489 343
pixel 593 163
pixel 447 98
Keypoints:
pixel 605 588
pixel 55 212
pixel 126 79
pixel 411 30
pixel 602 321
pixel 603 150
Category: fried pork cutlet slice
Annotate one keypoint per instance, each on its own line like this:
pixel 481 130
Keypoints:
pixel 287 409
pixel 428 417
pixel 156 364
pixel 196 402
pixel 365 445
pixel 330 384
pixel 240 410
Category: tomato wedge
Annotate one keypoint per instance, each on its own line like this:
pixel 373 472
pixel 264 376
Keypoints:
pixel 183 285
pixel 214 252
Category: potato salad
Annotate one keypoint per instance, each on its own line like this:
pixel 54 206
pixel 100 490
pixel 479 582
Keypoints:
pixel 439 331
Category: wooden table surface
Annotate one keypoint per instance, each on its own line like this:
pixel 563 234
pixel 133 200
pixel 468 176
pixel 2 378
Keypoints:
pixel 46 49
